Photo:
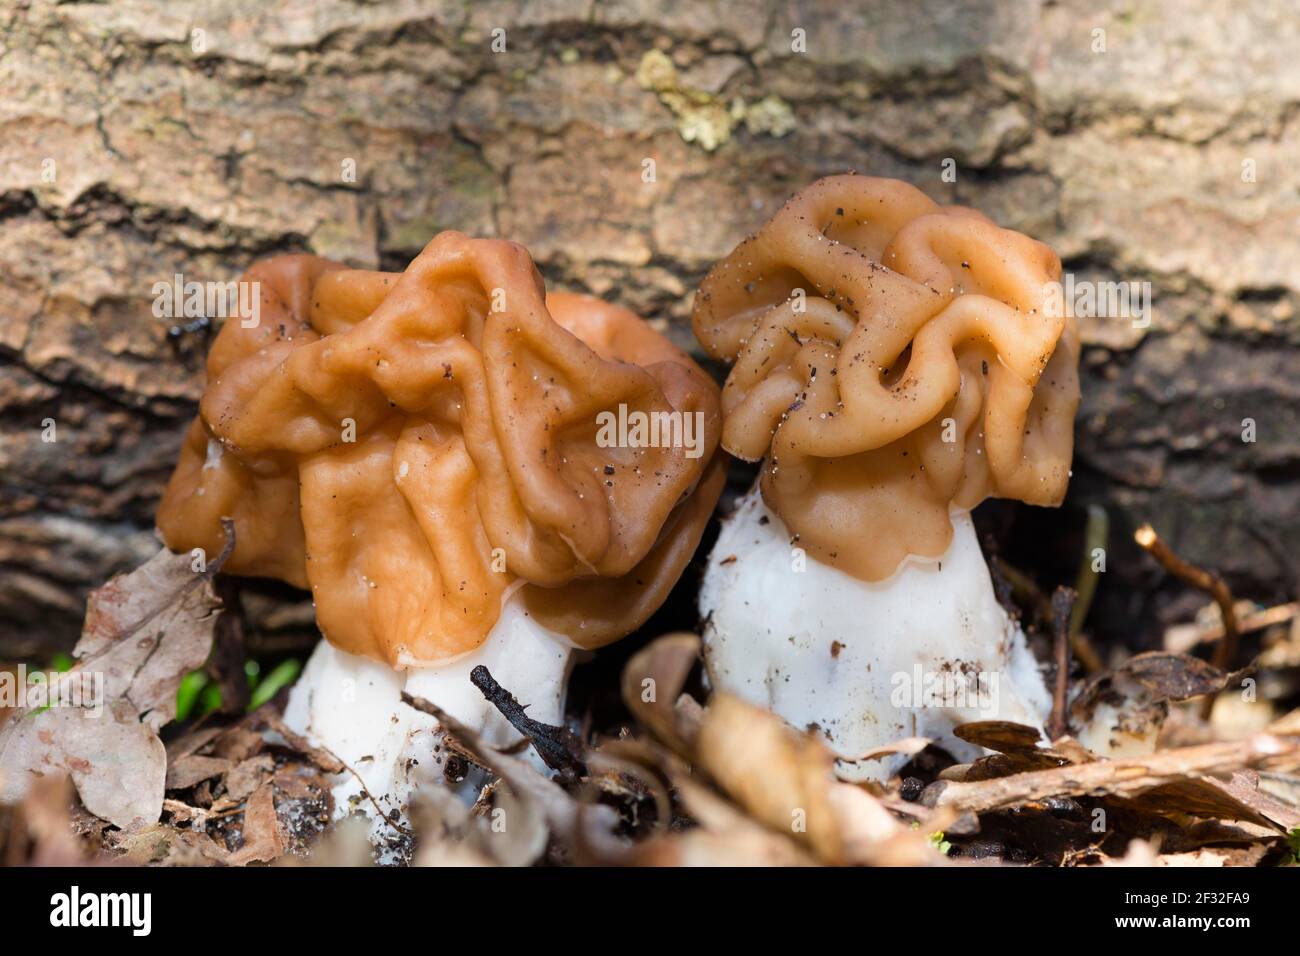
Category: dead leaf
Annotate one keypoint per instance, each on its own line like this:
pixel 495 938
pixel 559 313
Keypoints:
pixel 1245 788
pixel 40 832
pixel 262 840
pixel 652 683
pixel 191 742
pixel 117 763
pixel 346 843
pixel 1000 735
pixel 225 664
pixel 248 776
pixel 780 776
pixel 1288 725
pixel 870 834
pixel 1140 688
pixel 143 632
pixel 188 771
pixel 449 833
pixel 238 742
pixel 162 845
pixel 725 836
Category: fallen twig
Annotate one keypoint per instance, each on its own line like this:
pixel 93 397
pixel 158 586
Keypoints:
pixel 1063 602
pixel 1115 777
pixel 1207 581
pixel 558 747
pixel 395 824
pixel 1255 621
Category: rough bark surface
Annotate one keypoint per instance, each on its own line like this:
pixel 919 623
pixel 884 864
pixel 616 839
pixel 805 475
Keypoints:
pixel 143 138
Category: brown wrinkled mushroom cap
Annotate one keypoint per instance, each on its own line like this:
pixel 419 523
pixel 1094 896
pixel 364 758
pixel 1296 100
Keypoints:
pixel 475 430
pixel 911 314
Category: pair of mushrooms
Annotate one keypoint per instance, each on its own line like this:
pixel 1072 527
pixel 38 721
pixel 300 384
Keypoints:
pixel 425 452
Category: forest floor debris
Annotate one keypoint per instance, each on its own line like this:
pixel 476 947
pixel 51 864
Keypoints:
pixel 682 777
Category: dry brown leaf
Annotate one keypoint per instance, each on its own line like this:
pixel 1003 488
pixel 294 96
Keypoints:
pixel 248 776
pixel 449 833
pixel 1197 796
pixel 263 841
pixel 630 768
pixel 163 845
pixel 190 770
pixel 870 834
pixel 1140 689
pixel 1003 736
pixel 1246 789
pixel 726 836
pixel 143 632
pixel 1283 786
pixel 117 763
pixel 40 831
pixel 346 843
pixel 191 742
pixel 652 685
pixel 753 846
pixel 238 742
pixel 780 776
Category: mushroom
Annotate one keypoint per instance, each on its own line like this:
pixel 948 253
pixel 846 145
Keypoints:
pixel 423 451
pixel 894 364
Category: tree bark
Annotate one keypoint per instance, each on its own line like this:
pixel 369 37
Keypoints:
pixel 143 138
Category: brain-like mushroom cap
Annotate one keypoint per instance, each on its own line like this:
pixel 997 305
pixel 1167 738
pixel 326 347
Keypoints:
pixel 416 447
pixel 893 358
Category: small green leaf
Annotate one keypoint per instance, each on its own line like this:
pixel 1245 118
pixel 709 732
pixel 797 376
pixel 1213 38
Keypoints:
pixel 188 693
pixel 284 674
pixel 210 699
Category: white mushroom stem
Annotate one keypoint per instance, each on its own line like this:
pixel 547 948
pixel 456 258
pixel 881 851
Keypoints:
pixel 865 663
pixel 352 706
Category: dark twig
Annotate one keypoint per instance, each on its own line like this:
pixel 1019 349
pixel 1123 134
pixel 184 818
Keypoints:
pixel 1062 607
pixel 558 747
pixel 1207 581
